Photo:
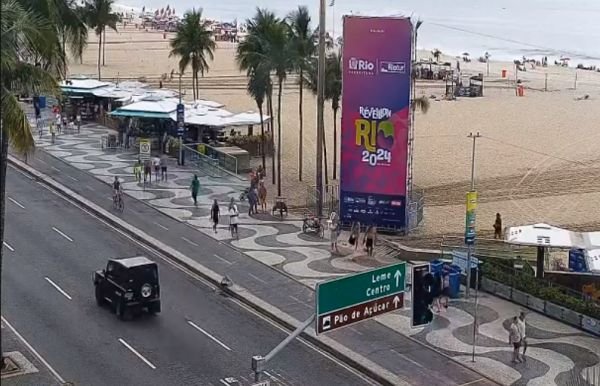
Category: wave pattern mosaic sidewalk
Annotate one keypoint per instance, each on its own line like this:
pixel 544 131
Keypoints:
pixel 555 352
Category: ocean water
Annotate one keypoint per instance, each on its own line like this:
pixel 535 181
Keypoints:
pixel 507 29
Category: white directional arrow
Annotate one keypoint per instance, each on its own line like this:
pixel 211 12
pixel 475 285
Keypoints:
pixel 397 276
pixel 396 300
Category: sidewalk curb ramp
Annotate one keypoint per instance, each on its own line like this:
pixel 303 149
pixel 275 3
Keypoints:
pixel 329 345
pixel 349 357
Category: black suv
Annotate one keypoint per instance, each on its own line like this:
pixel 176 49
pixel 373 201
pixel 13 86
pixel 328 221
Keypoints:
pixel 129 284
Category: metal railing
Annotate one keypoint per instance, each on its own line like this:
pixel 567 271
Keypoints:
pixel 488 248
pixel 203 162
pixel 224 160
pixel 331 199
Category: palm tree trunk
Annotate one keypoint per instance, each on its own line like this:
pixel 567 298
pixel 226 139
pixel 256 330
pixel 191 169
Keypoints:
pixel 262 136
pixel 103 46
pixel 279 136
pixel 64 52
pixel 3 163
pixel 99 55
pixel 270 103
pixel 300 119
pixel 197 86
pixel 335 144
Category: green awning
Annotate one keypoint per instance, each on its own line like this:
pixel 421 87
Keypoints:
pixel 140 114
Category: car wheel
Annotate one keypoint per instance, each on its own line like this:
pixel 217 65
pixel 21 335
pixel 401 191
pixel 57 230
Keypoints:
pixel 99 298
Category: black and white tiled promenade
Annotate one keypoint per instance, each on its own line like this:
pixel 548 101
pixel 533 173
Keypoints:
pixel 555 350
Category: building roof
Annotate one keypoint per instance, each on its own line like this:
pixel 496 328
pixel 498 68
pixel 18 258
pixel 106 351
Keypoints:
pixel 130 262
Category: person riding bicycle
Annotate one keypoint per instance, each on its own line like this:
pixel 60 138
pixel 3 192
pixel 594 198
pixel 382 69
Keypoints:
pixel 117 189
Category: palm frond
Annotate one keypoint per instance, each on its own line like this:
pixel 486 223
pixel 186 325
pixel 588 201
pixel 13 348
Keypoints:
pixel 15 123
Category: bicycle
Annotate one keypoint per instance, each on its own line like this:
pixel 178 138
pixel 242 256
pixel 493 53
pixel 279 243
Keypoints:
pixel 118 203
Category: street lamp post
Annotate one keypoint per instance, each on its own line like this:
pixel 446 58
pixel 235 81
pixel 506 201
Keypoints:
pixel 320 108
pixel 470 243
pixel 180 123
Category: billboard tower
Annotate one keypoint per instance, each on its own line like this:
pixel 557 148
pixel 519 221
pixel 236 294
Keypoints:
pixel 375 120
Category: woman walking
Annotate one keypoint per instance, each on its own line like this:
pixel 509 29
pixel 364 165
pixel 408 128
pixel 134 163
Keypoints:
pixel 514 338
pixel 215 214
pixel 370 239
pixel 195 187
pixel 354 234
pixel 262 196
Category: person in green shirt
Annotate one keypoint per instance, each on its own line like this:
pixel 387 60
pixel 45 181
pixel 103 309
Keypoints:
pixel 195 187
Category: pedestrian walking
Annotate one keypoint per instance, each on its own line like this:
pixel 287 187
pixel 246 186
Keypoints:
pixel 137 170
pixel 370 239
pixel 78 119
pixel 148 170
pixel 514 338
pixel 195 188
pixel 522 332
pixel 58 122
pixel 163 167
pixel 215 215
pixel 252 200
pixel 354 234
pixel 156 165
pixel 334 232
pixel 262 196
pixel 52 132
pixel 40 127
pixel 498 227
pixel 233 218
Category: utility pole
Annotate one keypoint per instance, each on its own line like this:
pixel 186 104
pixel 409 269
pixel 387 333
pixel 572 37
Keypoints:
pixel 320 108
pixel 471 240
pixel 180 123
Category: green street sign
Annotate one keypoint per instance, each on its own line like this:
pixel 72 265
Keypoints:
pixel 360 296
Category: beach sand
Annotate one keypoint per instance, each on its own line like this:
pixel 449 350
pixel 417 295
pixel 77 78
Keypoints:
pixel 538 159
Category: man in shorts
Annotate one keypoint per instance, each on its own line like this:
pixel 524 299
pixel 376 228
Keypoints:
pixel 233 218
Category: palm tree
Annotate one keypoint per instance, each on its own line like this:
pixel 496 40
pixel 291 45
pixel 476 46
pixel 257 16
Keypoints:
pixel 333 91
pixel 267 47
pixel 258 84
pixel 193 43
pixel 69 22
pixel 436 54
pixel 303 48
pixel 98 16
pixel 28 45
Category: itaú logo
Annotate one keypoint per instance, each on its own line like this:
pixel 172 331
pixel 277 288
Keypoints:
pixel 361 66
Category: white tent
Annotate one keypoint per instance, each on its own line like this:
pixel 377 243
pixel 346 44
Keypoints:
pixel 249 118
pixel 550 236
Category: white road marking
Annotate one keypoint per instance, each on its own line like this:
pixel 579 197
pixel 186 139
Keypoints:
pixel 473 382
pixel 8 246
pixel 189 241
pixel 16 202
pixel 300 301
pixel 19 171
pixel 407 358
pixel 34 352
pixel 162 226
pixel 257 278
pixel 62 234
pixel 73 178
pixel 224 382
pixel 55 168
pixel 146 361
pixel 208 335
pixel 53 284
pixel 223 259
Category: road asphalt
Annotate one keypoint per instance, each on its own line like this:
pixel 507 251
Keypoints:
pixel 200 338
pixel 409 361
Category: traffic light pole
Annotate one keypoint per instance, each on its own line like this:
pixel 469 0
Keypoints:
pixel 259 362
pixel 470 245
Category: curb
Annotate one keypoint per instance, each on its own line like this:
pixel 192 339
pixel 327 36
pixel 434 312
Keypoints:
pixel 332 347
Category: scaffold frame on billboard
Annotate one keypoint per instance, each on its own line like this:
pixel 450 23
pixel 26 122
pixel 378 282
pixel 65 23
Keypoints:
pixel 376 113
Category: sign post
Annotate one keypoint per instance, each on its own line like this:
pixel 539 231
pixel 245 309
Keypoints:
pixel 180 129
pixel 145 149
pixel 350 299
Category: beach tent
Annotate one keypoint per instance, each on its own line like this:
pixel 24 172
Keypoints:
pixel 544 236
pixel 248 118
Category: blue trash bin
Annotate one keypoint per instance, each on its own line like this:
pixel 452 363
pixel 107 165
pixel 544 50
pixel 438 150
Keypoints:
pixel 436 266
pixel 42 102
pixel 454 282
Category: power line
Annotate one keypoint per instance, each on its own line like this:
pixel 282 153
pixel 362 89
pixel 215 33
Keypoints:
pixel 534 151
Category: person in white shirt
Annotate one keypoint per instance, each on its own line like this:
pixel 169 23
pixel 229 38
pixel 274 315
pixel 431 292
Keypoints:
pixel 233 218
pixel 58 122
pixel 156 164
pixel 521 324
pixel 514 339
